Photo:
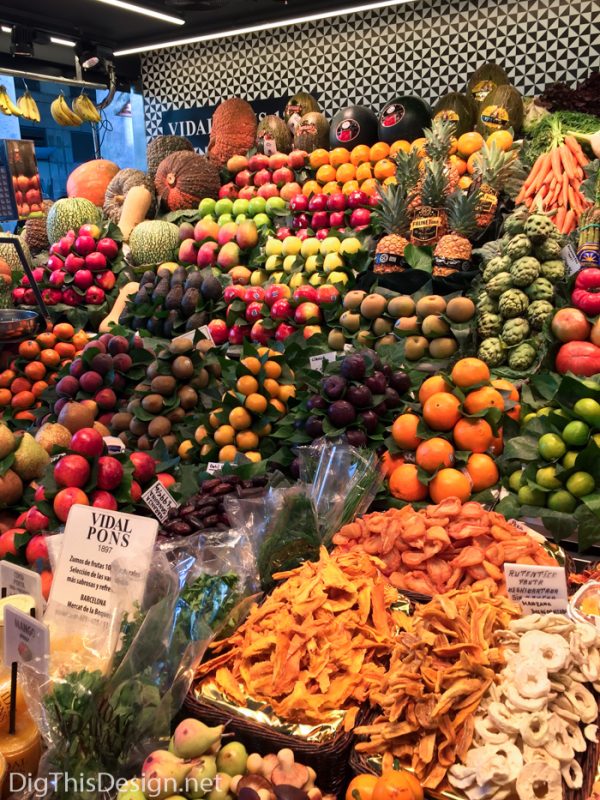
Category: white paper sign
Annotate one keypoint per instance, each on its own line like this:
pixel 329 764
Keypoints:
pixel 94 539
pixel 191 335
pixel 159 501
pixel 539 589
pixel 214 467
pixel 318 362
pixel 25 639
pixel 569 256
pixel 18 580
pixel 114 444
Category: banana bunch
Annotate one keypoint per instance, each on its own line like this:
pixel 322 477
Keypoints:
pixel 62 114
pixel 6 104
pixel 28 107
pixel 85 109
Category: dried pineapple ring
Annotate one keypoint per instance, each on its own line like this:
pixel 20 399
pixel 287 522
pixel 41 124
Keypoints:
pixel 541 781
pixel 531 678
pixel 558 744
pixel 572 775
pixel 534 731
pixel 489 732
pixel 583 702
pixel 551 648
pixel 503 719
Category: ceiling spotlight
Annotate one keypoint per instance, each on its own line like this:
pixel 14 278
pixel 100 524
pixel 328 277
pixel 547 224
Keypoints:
pixel 6 29
pixel 90 55
pixel 21 41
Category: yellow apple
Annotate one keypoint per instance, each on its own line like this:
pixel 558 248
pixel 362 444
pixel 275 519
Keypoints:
pixel 316 279
pixel 278 277
pixel 272 263
pixel 288 263
pixel 330 245
pixel 338 277
pixel 310 247
pixel 258 277
pixel 350 246
pixel 312 264
pixel 291 246
pixel 332 262
pixel 297 279
pixel 274 247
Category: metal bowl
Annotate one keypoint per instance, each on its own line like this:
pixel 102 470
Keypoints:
pixel 16 324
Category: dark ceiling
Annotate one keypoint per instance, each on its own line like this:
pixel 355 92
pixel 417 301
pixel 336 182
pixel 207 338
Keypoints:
pixel 118 29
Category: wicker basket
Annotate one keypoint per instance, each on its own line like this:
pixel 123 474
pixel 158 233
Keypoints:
pixel 329 759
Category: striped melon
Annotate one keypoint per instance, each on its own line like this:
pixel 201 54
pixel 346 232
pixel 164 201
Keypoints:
pixel 9 253
pixel 153 242
pixel 70 214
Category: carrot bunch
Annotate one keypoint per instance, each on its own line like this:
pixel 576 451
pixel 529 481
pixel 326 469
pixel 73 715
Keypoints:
pixel 553 185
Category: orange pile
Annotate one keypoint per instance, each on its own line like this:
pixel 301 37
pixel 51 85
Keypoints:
pixel 451 413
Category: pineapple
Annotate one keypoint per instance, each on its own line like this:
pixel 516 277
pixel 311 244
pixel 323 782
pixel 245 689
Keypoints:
pixel 437 147
pixel 493 171
pixel 455 246
pixel 391 215
pixel 432 207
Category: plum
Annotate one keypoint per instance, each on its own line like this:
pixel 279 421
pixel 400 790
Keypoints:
pixel 353 367
pixel 392 398
pixel 387 371
pixel 380 409
pixel 316 401
pixel 400 381
pixel 377 382
pixel 314 427
pixel 360 396
pixel 334 387
pixel 356 438
pixel 370 420
pixel 341 413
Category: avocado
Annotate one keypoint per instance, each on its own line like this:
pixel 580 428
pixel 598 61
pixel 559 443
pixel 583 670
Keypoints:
pixel 174 298
pixel 194 280
pixel 155 325
pixel 173 318
pixel 189 302
pixel 211 288
pixel 197 320
pixel 161 290
pixel 148 277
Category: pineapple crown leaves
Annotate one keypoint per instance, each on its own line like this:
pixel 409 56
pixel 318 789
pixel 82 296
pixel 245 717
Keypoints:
pixel 407 170
pixel 496 168
pixel 462 212
pixel 435 184
pixel 439 139
pixel 391 213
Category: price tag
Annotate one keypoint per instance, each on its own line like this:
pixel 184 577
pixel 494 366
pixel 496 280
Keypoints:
pixel 25 639
pixel 94 539
pixel 159 501
pixel 18 580
pixel 191 335
pixel 539 589
pixel 214 467
pixel 205 330
pixel 569 256
pixel 114 444
pixel 318 362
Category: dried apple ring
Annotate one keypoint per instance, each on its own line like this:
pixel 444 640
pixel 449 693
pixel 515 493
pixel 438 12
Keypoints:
pixel 534 731
pixel 531 678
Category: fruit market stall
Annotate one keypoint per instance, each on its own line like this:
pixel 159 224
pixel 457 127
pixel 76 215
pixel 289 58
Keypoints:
pixel 299 477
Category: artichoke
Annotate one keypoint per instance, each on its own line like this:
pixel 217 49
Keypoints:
pixel 514 331
pixel 498 284
pixel 548 249
pixel 489 324
pixel 513 303
pixel 538 312
pixel 495 266
pixel 540 289
pixel 539 227
pixel 492 352
pixel 554 270
pixel 485 304
pixel 524 271
pixel 519 247
pixel 522 357
pixel 515 222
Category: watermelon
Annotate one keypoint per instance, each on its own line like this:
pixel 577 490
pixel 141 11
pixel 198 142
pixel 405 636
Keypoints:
pixel 69 214
pixel 351 126
pixel 403 118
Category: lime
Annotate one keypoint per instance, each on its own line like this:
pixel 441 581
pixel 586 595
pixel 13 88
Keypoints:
pixel 551 446
pixel 543 412
pixel 546 477
pixel 581 483
pixel 531 497
pixel 569 459
pixel 588 410
pixel 562 501
pixel 515 480
pixel 560 412
pixel 527 417
pixel 576 433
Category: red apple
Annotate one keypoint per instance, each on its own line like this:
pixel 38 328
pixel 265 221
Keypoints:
pixel 166 479
pixel 108 248
pixel 18 294
pixel 52 296
pixel 72 470
pixel 243 178
pixel 94 296
pixel 318 202
pixel 88 442
pixel 322 233
pixel 259 334
pixel 238 333
pixel 57 278
pixel 105 280
pixel 247 192
pixel 218 330
pixel 570 325
pixel 82 279
pixel 71 298
pixel 337 219
pixel 327 295
pixel 299 203
pixel 135 492
pixel 283 233
pixel 278 160
pixel 110 473
pixel 301 221
pixel 336 201
pixel 234 292
pixel 38 274
pixel 101 499
pixel 360 218
pixel 144 467
pixel 96 262
pixel 307 313
pixel 276 291
pixel 55 262
pixel 254 294
pixel 39 494
pixel 282 309
pixel 320 219
pixel 268 190
pixel 228 190
pixel 283 175
pixel 283 331
pixel 85 245
pixel 374 200
pixel 357 199
pixel 311 330
pixel 254 312
pixel 89 229
pixel 36 521
pixel 73 263
pixel 257 162
pixel 37 549
pixel 302 234
pixel 289 190
pixel 305 294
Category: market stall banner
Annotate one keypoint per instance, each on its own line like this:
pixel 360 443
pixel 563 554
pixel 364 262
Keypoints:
pixel 195 122
pixel 425 48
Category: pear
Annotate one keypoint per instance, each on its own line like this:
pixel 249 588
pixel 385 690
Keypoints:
pixel 76 416
pixel 53 437
pixel 11 489
pixel 131 790
pixel 232 759
pixel 222 785
pixel 193 738
pixel 163 774
pixel 7 441
pixel 30 458
pixel 201 778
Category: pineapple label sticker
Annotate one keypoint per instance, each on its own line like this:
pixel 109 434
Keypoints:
pixel 85 582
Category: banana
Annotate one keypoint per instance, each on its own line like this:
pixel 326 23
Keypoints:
pixel 85 109
pixel 28 107
pixel 62 114
pixel 7 104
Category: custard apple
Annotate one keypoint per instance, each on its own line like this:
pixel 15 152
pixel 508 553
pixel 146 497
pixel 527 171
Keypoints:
pixel 538 312
pixel 488 325
pixel 495 266
pixel 514 331
pixel 515 222
pixel 548 249
pixel 485 304
pixel 554 270
pixel 538 227
pixel 512 303
pixel 540 289
pixel 498 284
pixel 492 352
pixel 522 357
pixel 524 271
pixel 519 247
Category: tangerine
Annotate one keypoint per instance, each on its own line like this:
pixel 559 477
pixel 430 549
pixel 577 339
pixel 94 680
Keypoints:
pixel 227 453
pixel 325 173
pixel 29 349
pixel 65 349
pixel 370 187
pixel 482 399
pixel 278 405
pixel 404 484
pixel 271 387
pixel 361 787
pixel 502 139
pixel 253 364
pixel 287 391
pixel 497 445
pixel 389 462
pixel 246 385
pixel 474 435
pixel 474 163
pixel 272 369
pixel 469 143
pixel 431 386
pixel 465 182
pixel 213 419
pixel 7 377
pixel 392 180
pixel 506 386
pixel 253 455
pixel 24 399
pixel 379 151
pixel 404 431
pixel 29 415
pixel 384 169
pixel 64 331
pixel 5 397
pixel 434 453
pixel 239 418
pixel 20 385
pixel 35 370
pixel 399 145
pixel 311 187
pixel 38 388
pixel 331 187
pixel 46 339
pixel 441 411
pixel 256 403
pixel 363 172
pixel 419 145
pixel 247 440
pixel 350 186
pixel 80 339
pixel 483 471
pixel 459 164
pixel 360 154
pixel 469 372
pixel 318 158
pixel 345 172
pixel 450 482
pixel 50 358
pixel 339 156
pixel 397 785
pixel 224 434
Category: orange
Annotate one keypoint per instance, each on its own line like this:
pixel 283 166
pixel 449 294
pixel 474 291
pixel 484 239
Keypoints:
pixel 502 139
pixel 318 158
pixel 265 430
pixel 369 187
pixel 5 397
pixel 64 331
pixel 379 151
pixel 483 471
pixel 272 369
pixel 350 186
pixel 469 372
pixel 7 377
pixel 384 169
pixel 325 173
pixel 474 435
pixel 65 349
pixel 483 398
pixel 339 156
pixel 473 163
pixel 506 386
pixel 331 187
pixel 23 399
pixel 464 182
pixel 247 440
pixel 419 146
pixel 459 165
pixel 20 385
pixel 404 484
pixel 469 143
pixel 214 419
pixel 29 349
pixel 224 434
pixel 271 387
pixel 46 339
pixel 434 453
pixel 278 405
pixel 253 455
pixel 247 385
pixel 35 370
pixel 450 483
pixel 361 787
pixel 345 172
pixel 38 388
pixel 285 392
pixel 441 411
pixel 240 419
pixel 50 358
pixel 389 463
pixel 80 339
pixel 227 453
pixel 431 386
pixel 311 187
pixel 363 172
pixel 404 431
pixel 253 364
pixel 399 145
pixel 25 415
pixel 397 785
pixel 497 445
pixel 360 154
pixel 391 180
pixel 256 402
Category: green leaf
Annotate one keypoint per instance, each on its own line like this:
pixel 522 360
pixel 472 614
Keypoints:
pixel 6 463
pixel 522 448
pixel 419 257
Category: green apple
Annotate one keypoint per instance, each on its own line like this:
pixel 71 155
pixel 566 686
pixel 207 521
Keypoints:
pixel 207 206
pixel 261 219
pixel 223 206
pixel 224 219
pixel 240 218
pixel 256 206
pixel 240 206
pixel 275 204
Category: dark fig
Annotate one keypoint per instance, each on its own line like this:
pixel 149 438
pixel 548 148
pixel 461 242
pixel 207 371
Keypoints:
pixel 341 413
pixel 370 420
pixel 400 382
pixel 356 438
pixel 359 396
pixel 334 387
pixel 353 367
pixel 377 382
pixel 316 401
pixel 314 427
pixel 392 398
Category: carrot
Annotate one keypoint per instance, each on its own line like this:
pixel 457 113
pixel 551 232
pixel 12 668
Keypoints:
pixel 565 189
pixel 568 161
pixel 545 168
pixel 560 217
pixel 534 171
pixel 556 164
pixel 569 223
pixel 579 173
pixel 574 201
pixel 557 192
pixel 575 148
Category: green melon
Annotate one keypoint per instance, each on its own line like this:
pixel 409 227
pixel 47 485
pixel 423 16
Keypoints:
pixel 273 136
pixel 70 214
pixel 484 79
pixel 502 109
pixel 9 253
pixel 312 132
pixel 153 242
pixel 300 104
pixel 457 108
